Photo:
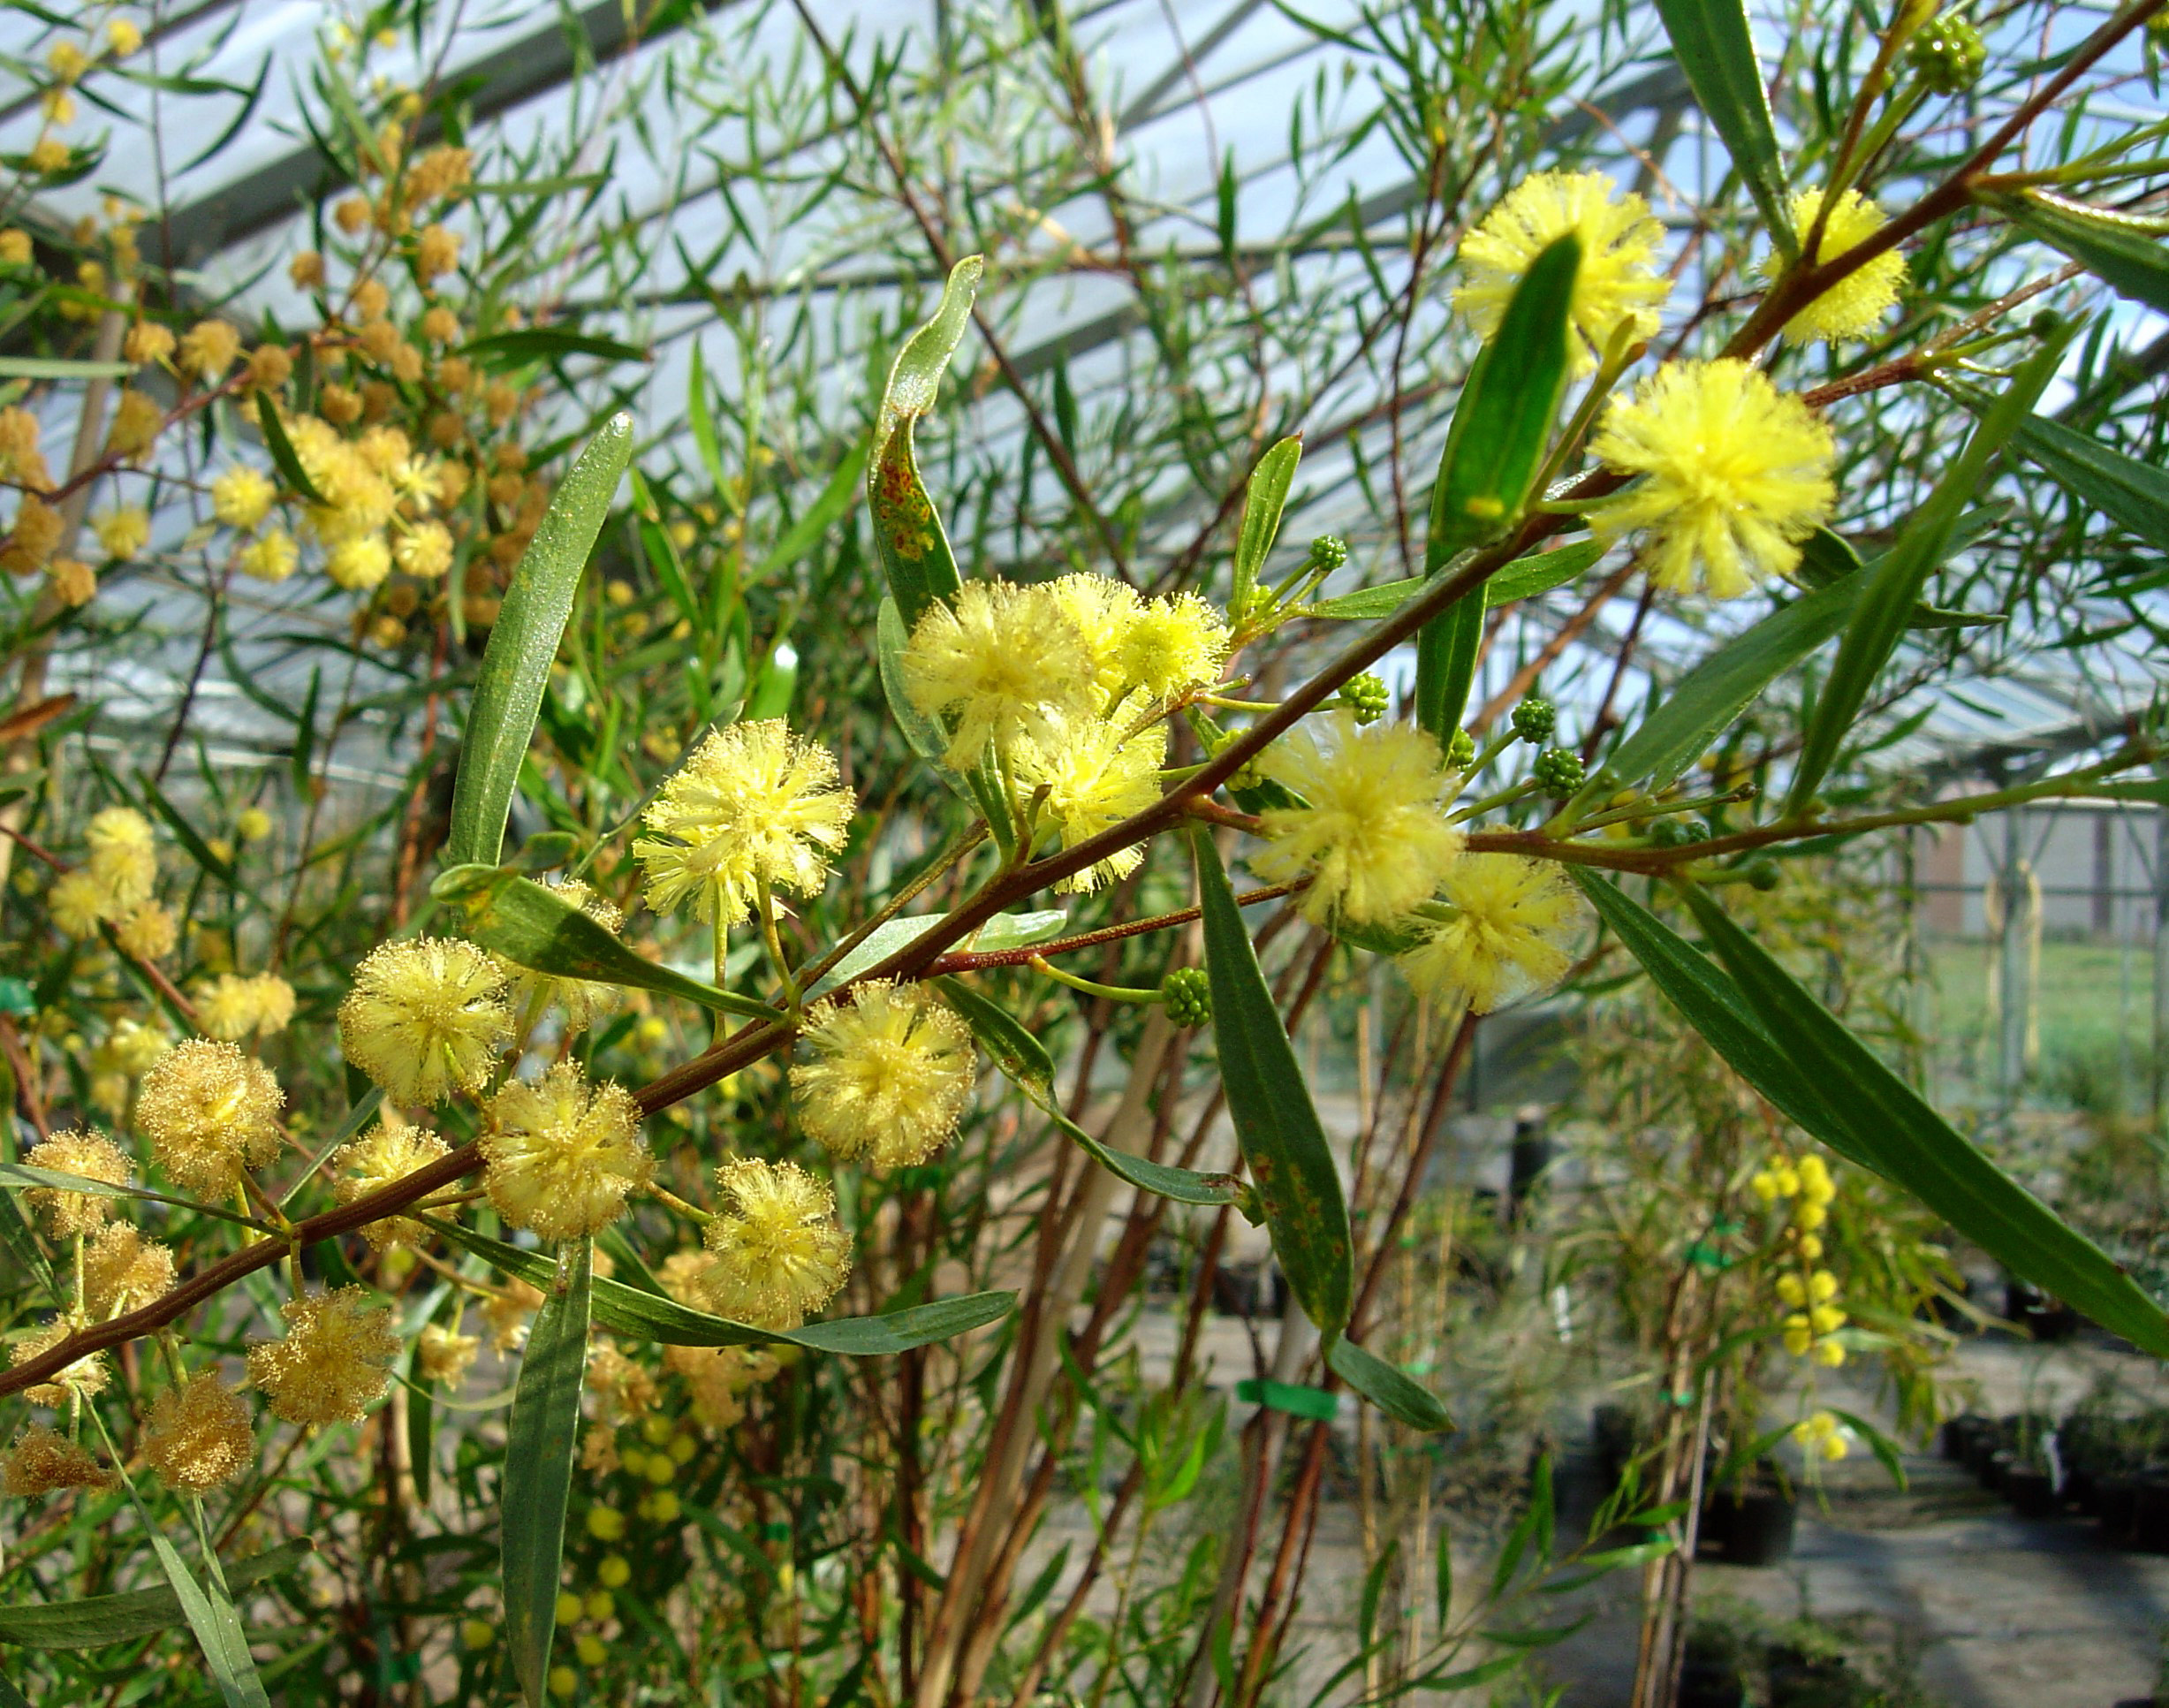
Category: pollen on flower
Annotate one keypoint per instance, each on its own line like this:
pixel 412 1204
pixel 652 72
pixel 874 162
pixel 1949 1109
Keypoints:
pixel 43 1462
pixel 147 931
pixel 123 857
pixel 270 556
pixel 335 1362
pixel 754 805
pixel 562 1154
pixel 890 1072
pixel 779 1253
pixel 1616 282
pixel 209 1112
pixel 1735 474
pixel 1094 779
pixel 198 1434
pixel 582 1001
pixel 79 1380
pixel 1513 921
pixel 445 1354
pixel 241 497
pixel 1372 837
pixel 1103 610
pixel 426 1018
pixel 507 1310
pixel 390 1151
pixel 75 1152
pixel 1854 307
pixel 1002 663
pixel 78 904
pixel 1174 644
pixel 123 1271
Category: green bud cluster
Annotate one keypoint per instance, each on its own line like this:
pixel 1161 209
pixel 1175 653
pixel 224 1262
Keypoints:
pixel 1461 751
pixel 1367 697
pixel 1557 771
pixel 1329 551
pixel 1187 995
pixel 1947 55
pixel 1535 719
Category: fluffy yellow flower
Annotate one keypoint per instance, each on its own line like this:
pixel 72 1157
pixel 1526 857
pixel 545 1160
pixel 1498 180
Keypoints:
pixel 73 582
pixel 79 904
pixel 271 557
pixel 252 823
pixel 43 1461
pixel 148 933
pixel 148 342
pixel 1102 610
pixel 1373 836
pixel 1735 474
pixel 1823 1434
pixel 1617 281
pixel 199 1435
pixel 231 1006
pixel 131 1048
pixel 123 1271
pixel 208 349
pixel 754 805
pixel 426 1018
pixel 123 533
pixel 124 35
pixel 360 562
pixel 390 1150
pixel 779 1254
pixel 1174 644
pixel 210 1111
pixel 1004 663
pixel 123 857
pixel 443 1354
pixel 1514 919
pixel 582 1001
pixel 1094 779
pixel 507 1310
pixel 891 1073
pixel 1854 307
pixel 335 1362
pixel 136 420
pixel 424 551
pixel 714 1378
pixel 86 1376
pixel 75 1152
pixel 562 1154
pixel 242 497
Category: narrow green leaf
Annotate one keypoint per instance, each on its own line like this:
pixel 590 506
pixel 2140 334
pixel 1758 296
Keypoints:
pixel 1264 496
pixel 10 1696
pixel 828 508
pixel 1442 1574
pixel 647 1316
pixel 1366 604
pixel 516 663
pixel 1891 588
pixel 283 454
pixel 53 368
pixel 1007 931
pixel 1275 1121
pixel 96 1621
pixel 302 761
pixel 2133 262
pixel 1523 579
pixel 770 693
pixel 2132 494
pixel 1393 1392
pixel 1446 650
pixel 1907 1141
pixel 922 734
pixel 534 926
pixel 525 344
pixel 1888 1451
pixel 1007 1041
pixel 212 1620
pixel 1711 41
pixel 907 530
pixel 1708 697
pixel 184 832
pixel 538 1468
pixel 1589 1568
pixel 702 424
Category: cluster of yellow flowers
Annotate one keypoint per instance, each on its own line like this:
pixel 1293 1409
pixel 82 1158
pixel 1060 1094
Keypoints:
pixel 1810 1293
pixel 1822 1434
pixel 113 887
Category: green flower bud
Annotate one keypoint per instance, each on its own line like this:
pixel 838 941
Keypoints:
pixel 1947 55
pixel 1187 995
pixel 1367 697
pixel 1329 551
pixel 1461 751
pixel 1557 771
pixel 1535 719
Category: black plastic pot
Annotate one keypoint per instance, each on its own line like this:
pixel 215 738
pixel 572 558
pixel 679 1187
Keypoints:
pixel 2149 1519
pixel 2031 1491
pixel 2116 1504
pixel 1754 1528
pixel 1799 1681
pixel 1956 1434
pixel 1705 1683
pixel 1984 1442
pixel 2044 1316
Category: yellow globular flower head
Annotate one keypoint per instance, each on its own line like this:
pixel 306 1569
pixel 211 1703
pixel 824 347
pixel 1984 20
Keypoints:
pixel 890 1072
pixel 1002 664
pixel 16 250
pixel 779 1253
pixel 1616 283
pixel 198 1434
pixel 1815 1185
pixel 424 551
pixel 148 933
pixel 1174 644
pixel 125 36
pixel 242 497
pixel 92 1156
pixel 754 805
pixel 582 1001
pixel 445 1354
pixel 390 1151
pixel 426 1018
pixel 1822 1435
pixel 73 582
pixel 1513 921
pixel 44 1462
pixel 137 419
pixel 271 557
pixel 1373 836
pixel 359 563
pixel 123 857
pixel 1094 780
pixel 208 349
pixel 1854 307
pixel 1735 474
pixel 335 1362
pixel 561 1155
pixel 209 1112
pixel 252 823
pixel 507 1310
pixel 79 904
pixel 148 342
pixel 123 533
pixel 79 1381
pixel 1103 610
pixel 123 1271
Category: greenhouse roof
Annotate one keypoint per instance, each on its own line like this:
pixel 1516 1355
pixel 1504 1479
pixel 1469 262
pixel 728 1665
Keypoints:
pixel 1197 87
